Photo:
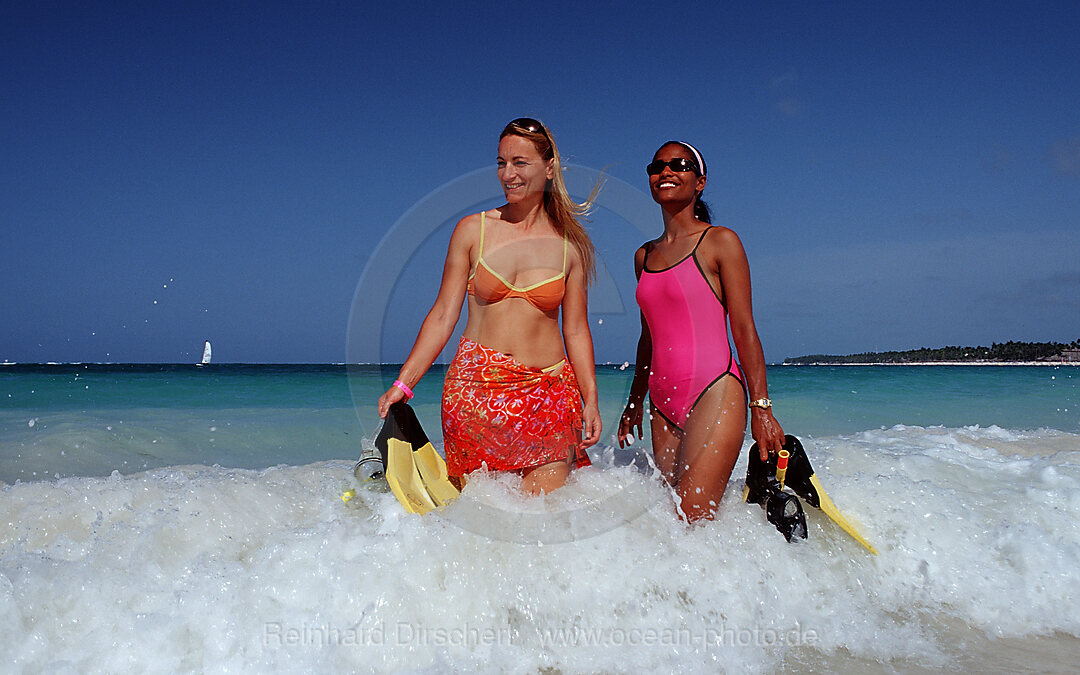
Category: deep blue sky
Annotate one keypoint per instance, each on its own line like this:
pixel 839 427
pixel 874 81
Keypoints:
pixel 901 174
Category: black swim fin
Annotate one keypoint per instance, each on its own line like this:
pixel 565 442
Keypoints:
pixel 761 485
pixel 400 423
pixel 415 472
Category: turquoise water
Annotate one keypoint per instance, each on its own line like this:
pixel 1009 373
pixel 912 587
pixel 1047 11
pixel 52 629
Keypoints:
pixel 66 420
pixel 845 399
pixel 179 519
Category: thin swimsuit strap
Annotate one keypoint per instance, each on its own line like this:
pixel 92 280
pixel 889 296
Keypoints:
pixel 480 255
pixel 649 247
pixel 564 244
pixel 483 225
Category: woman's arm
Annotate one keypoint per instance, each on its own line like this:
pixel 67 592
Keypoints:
pixel 735 282
pixel 634 413
pixel 577 337
pixel 440 321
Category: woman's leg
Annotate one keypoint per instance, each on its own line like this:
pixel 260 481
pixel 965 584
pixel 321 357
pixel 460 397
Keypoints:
pixel 665 443
pixel 544 478
pixel 710 447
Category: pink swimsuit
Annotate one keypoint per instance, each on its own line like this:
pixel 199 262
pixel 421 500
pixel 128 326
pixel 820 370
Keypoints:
pixel 688 325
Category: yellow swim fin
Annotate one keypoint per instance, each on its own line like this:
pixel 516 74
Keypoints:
pixel 433 472
pixel 763 488
pixel 415 472
pixel 404 479
pixel 832 512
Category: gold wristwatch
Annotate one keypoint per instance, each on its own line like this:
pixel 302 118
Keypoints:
pixel 761 403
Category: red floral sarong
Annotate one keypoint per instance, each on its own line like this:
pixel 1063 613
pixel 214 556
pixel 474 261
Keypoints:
pixel 501 413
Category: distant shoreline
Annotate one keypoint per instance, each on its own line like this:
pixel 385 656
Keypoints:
pixel 1009 353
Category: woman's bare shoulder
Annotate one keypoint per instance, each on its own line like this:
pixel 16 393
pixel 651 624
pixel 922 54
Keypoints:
pixel 466 233
pixel 720 238
pixel 473 220
pixel 469 225
pixel 648 245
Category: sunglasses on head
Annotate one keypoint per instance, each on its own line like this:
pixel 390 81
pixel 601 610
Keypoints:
pixel 530 125
pixel 678 165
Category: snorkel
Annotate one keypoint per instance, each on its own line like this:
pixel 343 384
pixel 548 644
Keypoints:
pixel 781 466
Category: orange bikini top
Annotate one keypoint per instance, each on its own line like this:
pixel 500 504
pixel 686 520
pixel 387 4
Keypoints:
pixel 489 286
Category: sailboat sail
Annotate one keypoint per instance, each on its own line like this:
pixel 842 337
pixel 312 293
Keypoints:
pixel 206 353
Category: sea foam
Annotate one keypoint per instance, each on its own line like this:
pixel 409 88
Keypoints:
pixel 208 568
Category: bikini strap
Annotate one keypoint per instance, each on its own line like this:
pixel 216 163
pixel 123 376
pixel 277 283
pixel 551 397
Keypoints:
pixel 564 245
pixel 481 255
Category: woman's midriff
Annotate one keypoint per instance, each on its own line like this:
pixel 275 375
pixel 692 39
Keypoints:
pixel 530 336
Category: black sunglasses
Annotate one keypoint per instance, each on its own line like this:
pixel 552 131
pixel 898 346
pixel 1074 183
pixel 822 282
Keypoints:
pixel 678 165
pixel 530 125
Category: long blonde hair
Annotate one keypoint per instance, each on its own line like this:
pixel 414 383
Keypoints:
pixel 563 211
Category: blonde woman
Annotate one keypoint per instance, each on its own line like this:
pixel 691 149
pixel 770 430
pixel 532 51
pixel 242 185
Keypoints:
pixel 520 394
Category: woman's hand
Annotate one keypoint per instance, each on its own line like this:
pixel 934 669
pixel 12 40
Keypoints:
pixel 591 426
pixel 392 396
pixel 631 419
pixel 766 431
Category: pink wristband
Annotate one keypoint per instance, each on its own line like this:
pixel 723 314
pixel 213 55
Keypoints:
pixel 405 388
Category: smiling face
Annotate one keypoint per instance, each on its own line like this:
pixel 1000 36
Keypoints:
pixel 522 171
pixel 670 186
